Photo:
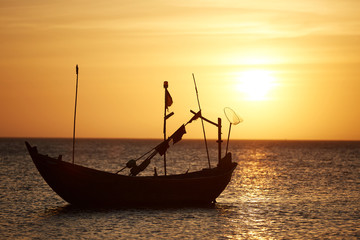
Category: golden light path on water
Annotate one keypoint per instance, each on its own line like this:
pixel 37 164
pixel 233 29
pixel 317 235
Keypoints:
pixel 253 182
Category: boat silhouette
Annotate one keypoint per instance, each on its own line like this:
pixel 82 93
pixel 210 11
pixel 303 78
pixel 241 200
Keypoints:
pixel 83 186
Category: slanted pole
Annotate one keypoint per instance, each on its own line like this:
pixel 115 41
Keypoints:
pixel 77 77
pixel 202 122
pixel 227 143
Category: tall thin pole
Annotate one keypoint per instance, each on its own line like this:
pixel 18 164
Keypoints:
pixel 219 140
pixel 164 131
pixel 202 122
pixel 77 78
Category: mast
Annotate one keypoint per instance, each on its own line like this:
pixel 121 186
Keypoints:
pixel 168 102
pixel 219 141
pixel 164 131
pixel 77 77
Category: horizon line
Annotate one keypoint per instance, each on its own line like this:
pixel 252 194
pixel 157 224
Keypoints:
pixel 197 139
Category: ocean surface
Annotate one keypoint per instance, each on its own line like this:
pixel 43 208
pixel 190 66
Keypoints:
pixel 280 190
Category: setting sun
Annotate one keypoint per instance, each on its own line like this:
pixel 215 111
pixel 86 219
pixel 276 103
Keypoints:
pixel 256 84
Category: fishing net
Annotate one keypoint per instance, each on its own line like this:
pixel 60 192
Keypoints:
pixel 232 116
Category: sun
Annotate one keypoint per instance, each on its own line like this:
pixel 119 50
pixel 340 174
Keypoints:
pixel 256 84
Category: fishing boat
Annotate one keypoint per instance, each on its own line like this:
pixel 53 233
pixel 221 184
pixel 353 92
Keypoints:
pixel 83 186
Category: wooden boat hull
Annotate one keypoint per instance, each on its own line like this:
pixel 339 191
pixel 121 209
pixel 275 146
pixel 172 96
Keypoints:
pixel 84 186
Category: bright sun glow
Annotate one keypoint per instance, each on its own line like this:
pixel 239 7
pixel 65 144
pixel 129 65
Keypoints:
pixel 256 84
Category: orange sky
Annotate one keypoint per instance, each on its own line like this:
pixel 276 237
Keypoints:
pixel 291 70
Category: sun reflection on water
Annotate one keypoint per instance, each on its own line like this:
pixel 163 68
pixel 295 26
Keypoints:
pixel 254 182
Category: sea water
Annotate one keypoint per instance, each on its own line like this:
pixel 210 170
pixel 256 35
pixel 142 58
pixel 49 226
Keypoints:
pixel 280 190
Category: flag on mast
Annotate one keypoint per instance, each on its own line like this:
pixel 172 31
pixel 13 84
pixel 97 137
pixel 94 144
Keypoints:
pixel 168 99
